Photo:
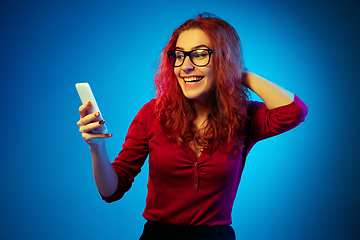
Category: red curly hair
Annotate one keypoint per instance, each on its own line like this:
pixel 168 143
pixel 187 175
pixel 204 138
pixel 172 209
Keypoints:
pixel 225 125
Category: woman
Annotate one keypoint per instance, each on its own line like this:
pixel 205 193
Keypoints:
pixel 197 133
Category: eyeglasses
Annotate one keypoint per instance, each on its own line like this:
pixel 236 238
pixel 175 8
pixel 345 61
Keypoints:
pixel 199 57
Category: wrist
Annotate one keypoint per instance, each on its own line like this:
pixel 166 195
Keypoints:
pixel 97 145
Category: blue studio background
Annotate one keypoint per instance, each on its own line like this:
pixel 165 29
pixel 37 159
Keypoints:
pixel 303 184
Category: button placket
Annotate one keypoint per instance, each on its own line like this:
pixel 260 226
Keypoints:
pixel 196 176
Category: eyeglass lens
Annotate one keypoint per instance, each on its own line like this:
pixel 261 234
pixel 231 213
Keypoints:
pixel 198 57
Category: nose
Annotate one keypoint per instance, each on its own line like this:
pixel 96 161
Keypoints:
pixel 187 65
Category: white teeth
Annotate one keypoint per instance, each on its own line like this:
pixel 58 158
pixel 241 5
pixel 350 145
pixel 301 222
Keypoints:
pixel 192 79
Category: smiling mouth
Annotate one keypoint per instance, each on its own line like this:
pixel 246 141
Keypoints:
pixel 192 79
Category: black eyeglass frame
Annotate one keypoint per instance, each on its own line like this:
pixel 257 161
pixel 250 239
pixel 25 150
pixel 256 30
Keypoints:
pixel 188 53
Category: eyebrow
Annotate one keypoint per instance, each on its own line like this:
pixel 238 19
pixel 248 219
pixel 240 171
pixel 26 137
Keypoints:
pixel 196 47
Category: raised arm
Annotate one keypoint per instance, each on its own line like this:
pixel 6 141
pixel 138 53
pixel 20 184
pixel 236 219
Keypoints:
pixel 272 94
pixel 105 176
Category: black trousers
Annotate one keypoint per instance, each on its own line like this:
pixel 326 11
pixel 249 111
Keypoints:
pixel 165 231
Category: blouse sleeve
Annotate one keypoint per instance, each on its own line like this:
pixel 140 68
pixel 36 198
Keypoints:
pixel 266 123
pixel 133 154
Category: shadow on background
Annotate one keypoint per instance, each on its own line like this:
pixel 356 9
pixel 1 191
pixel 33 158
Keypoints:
pixel 300 185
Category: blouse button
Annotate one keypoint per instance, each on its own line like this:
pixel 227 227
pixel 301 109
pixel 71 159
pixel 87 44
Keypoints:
pixel 196 163
pixel 197 176
pixel 196 185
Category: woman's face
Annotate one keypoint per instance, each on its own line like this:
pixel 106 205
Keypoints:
pixel 197 83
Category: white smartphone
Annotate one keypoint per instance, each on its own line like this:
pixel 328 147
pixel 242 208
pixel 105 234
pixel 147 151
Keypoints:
pixel 86 95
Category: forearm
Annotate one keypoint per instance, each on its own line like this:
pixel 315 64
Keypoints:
pixel 105 176
pixel 272 94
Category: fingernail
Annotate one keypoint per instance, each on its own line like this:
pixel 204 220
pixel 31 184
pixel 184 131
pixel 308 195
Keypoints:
pixel 88 103
pixel 97 114
pixel 101 122
pixel 110 135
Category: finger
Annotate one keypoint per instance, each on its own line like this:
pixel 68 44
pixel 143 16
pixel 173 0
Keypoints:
pixel 91 126
pixel 94 117
pixel 89 136
pixel 83 109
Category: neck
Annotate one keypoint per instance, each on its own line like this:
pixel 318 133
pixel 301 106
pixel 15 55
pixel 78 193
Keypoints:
pixel 202 111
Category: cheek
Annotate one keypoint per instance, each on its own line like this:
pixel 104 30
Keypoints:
pixel 177 77
pixel 211 76
pixel 176 72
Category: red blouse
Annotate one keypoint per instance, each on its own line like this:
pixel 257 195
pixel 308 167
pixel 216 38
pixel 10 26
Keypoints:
pixel 186 191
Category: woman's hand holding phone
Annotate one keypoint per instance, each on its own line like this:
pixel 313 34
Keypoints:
pixel 89 122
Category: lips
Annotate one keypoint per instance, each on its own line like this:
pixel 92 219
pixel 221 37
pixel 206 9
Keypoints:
pixel 193 79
